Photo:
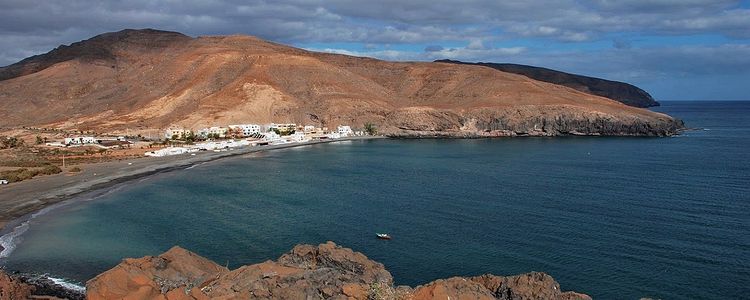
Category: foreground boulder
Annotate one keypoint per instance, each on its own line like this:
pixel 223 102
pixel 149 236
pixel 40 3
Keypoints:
pixel 306 272
pixel 171 275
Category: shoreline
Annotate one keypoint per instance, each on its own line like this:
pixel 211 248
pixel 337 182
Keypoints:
pixel 20 201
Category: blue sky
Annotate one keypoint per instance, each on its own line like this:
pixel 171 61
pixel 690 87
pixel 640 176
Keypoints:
pixel 675 49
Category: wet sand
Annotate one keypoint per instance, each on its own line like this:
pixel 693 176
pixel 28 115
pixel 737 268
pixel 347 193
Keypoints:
pixel 23 198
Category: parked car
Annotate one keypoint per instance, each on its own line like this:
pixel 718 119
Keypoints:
pixel 3 181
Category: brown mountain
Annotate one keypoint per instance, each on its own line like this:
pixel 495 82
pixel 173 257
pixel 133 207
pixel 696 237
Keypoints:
pixel 620 91
pixel 149 79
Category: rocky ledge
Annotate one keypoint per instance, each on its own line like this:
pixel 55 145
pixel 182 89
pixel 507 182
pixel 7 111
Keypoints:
pixel 325 271
pixel 306 272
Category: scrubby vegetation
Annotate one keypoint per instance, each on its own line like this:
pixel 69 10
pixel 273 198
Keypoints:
pixel 370 129
pixel 21 162
pixel 10 142
pixel 27 173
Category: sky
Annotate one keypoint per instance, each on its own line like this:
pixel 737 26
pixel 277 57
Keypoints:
pixel 674 49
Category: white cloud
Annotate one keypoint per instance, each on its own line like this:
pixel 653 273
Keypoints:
pixel 434 53
pixel 475 44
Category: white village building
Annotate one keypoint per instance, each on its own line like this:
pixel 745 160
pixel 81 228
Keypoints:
pixel 168 151
pixel 271 136
pixel 345 130
pixel 82 140
pixel 298 137
pixel 246 129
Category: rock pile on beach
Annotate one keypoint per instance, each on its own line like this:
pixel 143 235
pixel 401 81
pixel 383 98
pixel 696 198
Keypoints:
pixel 325 271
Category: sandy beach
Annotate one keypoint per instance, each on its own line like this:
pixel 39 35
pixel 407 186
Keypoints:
pixel 23 198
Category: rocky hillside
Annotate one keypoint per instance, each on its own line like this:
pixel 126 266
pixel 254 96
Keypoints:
pixel 306 272
pixel 620 91
pixel 326 271
pixel 140 80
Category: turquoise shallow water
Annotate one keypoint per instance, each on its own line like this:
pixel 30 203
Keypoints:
pixel 617 218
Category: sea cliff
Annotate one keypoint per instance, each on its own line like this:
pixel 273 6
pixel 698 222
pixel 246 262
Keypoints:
pixel 549 120
pixel 326 271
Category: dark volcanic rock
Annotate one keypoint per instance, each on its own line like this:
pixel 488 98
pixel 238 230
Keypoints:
pixel 16 287
pixel 326 271
pixel 43 286
pixel 620 91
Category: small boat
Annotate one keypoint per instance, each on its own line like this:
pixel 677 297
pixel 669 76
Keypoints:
pixel 383 236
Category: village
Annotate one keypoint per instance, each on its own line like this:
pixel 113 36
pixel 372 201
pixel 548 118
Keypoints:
pixel 29 151
pixel 178 140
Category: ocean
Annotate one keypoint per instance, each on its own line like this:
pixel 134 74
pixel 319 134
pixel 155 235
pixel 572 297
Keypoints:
pixel 616 218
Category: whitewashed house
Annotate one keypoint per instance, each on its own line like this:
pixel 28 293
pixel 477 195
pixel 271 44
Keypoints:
pixel 344 131
pixel 271 137
pixel 77 141
pixel 298 137
pixel 246 129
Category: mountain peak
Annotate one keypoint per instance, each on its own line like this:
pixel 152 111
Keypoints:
pixel 151 79
pixel 97 48
pixel 136 34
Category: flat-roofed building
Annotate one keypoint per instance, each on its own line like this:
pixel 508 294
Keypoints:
pixel 245 130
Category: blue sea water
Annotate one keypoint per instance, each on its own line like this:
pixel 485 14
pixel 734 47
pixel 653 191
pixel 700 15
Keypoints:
pixel 616 218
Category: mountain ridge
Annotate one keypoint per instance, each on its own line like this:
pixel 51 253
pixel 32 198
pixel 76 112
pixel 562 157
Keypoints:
pixel 140 80
pixel 620 91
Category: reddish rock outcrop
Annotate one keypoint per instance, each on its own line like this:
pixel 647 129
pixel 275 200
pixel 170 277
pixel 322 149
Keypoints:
pixel 13 289
pixel 534 285
pixel 325 271
pixel 171 275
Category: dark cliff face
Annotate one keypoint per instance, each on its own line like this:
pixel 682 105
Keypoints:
pixel 620 91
